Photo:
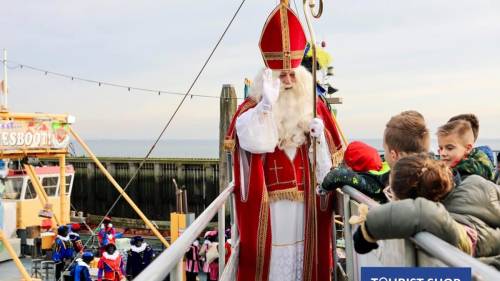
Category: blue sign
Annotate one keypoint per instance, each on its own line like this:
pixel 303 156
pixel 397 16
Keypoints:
pixel 415 274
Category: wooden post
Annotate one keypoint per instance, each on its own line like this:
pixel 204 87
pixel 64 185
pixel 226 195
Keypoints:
pixel 227 110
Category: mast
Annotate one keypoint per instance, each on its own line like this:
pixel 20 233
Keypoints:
pixel 3 106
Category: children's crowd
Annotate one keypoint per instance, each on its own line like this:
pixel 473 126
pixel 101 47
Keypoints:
pixel 70 255
pixel 454 195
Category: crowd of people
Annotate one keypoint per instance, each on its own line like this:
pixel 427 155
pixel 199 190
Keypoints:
pixel 285 224
pixel 202 257
pixel 454 195
pixel 70 255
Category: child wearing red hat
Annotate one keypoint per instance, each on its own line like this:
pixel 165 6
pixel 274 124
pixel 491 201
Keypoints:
pixel 364 171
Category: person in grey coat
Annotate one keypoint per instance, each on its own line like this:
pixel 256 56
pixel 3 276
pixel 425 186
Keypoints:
pixel 427 197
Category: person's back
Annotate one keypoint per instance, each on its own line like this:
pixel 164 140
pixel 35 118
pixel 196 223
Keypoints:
pixel 475 196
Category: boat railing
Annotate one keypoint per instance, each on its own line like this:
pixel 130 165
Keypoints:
pixel 170 261
pixel 422 250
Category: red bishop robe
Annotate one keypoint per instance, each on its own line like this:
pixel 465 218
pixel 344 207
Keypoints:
pixel 253 211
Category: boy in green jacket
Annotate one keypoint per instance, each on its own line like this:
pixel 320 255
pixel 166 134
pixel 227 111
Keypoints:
pixel 456 149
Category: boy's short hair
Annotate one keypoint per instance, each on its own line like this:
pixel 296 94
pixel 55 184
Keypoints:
pixel 461 128
pixel 407 132
pixel 472 119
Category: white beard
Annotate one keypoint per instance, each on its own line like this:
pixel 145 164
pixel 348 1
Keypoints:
pixel 293 110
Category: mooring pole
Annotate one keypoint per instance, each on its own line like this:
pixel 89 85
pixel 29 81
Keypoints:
pixel 227 110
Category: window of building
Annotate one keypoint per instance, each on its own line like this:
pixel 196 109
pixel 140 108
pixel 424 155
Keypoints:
pixel 30 191
pixel 50 185
pixel 68 184
pixel 12 188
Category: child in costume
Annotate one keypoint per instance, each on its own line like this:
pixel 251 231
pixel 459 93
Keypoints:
pixel 110 265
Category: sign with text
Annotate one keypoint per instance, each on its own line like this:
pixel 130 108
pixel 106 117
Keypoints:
pixel 415 274
pixel 16 134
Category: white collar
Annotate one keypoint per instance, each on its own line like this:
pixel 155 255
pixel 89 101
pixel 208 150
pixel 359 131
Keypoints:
pixel 63 238
pixel 110 257
pixel 136 249
pixel 82 263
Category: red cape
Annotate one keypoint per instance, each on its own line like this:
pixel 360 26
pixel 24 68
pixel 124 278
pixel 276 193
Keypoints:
pixel 254 223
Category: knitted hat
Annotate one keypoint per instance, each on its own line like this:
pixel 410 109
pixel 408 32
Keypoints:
pixel 361 157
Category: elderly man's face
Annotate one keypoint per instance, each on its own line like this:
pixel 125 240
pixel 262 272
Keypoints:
pixel 287 78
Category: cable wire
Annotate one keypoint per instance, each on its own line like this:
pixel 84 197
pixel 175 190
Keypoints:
pixel 17 65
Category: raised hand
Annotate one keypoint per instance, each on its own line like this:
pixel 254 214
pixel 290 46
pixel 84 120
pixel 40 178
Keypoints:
pixel 270 88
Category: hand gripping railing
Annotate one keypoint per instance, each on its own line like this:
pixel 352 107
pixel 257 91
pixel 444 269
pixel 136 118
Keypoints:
pixel 170 258
pixel 429 243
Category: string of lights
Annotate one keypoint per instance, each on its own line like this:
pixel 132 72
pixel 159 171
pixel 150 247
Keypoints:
pixel 12 65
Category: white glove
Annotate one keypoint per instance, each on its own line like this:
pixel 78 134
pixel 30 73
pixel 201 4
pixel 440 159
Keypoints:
pixel 270 89
pixel 316 127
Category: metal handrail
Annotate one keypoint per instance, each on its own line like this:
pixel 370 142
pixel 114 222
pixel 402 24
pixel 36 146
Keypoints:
pixel 170 258
pixel 435 246
pixel 453 257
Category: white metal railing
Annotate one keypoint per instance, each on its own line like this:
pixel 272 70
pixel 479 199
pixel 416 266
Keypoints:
pixel 168 261
pixel 424 249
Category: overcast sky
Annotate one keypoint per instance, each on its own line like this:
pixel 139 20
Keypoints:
pixel 440 57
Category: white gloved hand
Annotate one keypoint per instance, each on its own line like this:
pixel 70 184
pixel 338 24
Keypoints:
pixel 316 127
pixel 270 88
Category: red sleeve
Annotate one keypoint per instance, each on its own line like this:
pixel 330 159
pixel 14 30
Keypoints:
pixel 332 131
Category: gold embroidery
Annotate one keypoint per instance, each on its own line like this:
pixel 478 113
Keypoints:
pixel 262 235
pixel 292 194
pixel 337 157
pixel 285 37
pixel 279 55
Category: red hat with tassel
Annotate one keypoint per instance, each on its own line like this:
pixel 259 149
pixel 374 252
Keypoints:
pixel 283 40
